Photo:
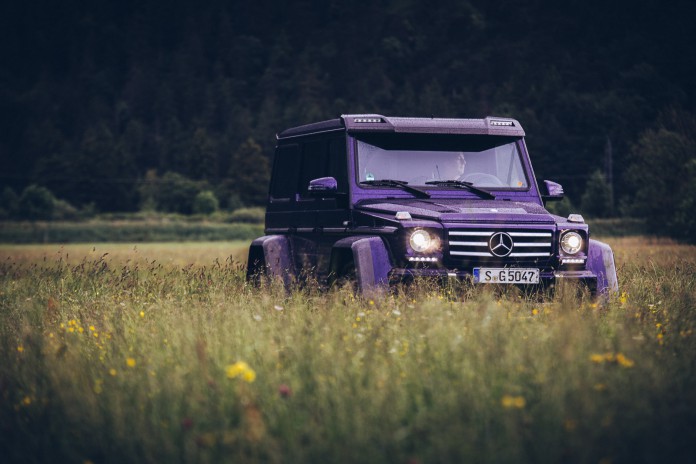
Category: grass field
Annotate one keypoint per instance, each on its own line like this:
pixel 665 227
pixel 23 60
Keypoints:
pixel 162 353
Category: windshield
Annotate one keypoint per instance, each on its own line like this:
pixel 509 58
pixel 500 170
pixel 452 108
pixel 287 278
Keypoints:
pixel 483 161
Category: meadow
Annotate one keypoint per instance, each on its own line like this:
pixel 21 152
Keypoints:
pixel 162 353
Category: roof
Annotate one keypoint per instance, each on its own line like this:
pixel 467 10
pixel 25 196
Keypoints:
pixel 360 123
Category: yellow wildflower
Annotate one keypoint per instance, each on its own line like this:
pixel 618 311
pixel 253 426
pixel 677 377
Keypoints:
pixel 26 401
pixel 241 369
pixel 624 361
pixel 112 372
pixel 249 376
pixel 509 402
pixel 91 328
pixel 130 362
pixel 142 314
pixel 624 298
pixel 597 358
pixel 535 312
pixel 20 348
pixel 237 369
pixel 80 329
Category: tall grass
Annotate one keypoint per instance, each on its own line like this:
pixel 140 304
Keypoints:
pixel 110 361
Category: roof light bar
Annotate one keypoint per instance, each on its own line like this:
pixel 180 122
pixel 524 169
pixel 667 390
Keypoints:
pixel 502 123
pixel 368 120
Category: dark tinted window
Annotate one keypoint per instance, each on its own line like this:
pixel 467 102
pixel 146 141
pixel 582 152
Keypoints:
pixel 338 165
pixel 285 171
pixel 314 162
pixel 324 158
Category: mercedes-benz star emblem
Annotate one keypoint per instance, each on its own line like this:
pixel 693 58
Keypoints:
pixel 500 244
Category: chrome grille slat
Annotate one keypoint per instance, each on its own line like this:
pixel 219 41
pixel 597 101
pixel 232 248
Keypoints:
pixel 468 233
pixel 482 244
pixel 528 244
pixel 469 253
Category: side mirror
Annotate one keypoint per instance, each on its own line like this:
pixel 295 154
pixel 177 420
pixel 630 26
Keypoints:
pixel 323 186
pixel 551 191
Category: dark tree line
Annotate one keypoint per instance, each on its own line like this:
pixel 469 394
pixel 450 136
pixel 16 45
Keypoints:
pixel 96 94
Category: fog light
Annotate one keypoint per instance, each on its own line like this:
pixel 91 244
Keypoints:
pixel 422 259
pixel 571 243
pixel 572 260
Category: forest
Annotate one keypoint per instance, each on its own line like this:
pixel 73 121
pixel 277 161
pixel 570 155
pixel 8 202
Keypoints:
pixel 131 105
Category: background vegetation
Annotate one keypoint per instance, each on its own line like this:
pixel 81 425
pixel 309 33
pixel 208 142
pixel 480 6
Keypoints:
pixel 163 106
pixel 120 358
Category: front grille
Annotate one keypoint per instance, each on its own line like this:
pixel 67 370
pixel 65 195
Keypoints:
pixel 474 244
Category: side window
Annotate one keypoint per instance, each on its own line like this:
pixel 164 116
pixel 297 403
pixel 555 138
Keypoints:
pixel 285 171
pixel 338 165
pixel 314 161
pixel 324 158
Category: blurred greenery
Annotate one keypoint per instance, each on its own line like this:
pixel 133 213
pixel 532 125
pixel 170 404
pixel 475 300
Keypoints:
pixel 105 104
pixel 101 230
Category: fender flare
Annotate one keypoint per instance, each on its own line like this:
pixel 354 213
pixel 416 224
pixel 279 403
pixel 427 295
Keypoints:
pixel 271 256
pixel 371 260
pixel 600 260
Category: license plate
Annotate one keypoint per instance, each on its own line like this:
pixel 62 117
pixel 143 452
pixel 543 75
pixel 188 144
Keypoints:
pixel 495 275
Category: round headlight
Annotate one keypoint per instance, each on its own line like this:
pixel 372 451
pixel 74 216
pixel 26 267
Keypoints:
pixel 571 243
pixel 421 241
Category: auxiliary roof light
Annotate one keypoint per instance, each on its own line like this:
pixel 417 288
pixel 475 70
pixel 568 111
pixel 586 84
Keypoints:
pixel 368 120
pixel 502 123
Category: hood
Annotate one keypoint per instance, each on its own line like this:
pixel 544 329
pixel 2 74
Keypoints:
pixel 447 210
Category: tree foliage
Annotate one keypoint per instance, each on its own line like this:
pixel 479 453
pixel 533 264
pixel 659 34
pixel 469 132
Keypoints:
pixel 94 95
pixel 36 202
pixel 663 174
pixel 596 201
pixel 205 202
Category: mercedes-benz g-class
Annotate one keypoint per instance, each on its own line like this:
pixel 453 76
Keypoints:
pixel 387 199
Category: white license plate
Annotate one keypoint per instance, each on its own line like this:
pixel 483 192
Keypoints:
pixel 495 275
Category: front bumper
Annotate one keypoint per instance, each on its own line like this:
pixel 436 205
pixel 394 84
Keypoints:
pixel 547 279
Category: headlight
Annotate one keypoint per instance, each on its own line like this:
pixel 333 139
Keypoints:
pixel 422 241
pixel 571 243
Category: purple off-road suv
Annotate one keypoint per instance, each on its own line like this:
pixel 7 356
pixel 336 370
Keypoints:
pixel 378 200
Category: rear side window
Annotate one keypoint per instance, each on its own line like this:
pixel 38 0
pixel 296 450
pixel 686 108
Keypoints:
pixel 286 167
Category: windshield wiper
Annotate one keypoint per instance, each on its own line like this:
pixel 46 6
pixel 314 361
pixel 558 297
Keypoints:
pixel 463 185
pixel 397 183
